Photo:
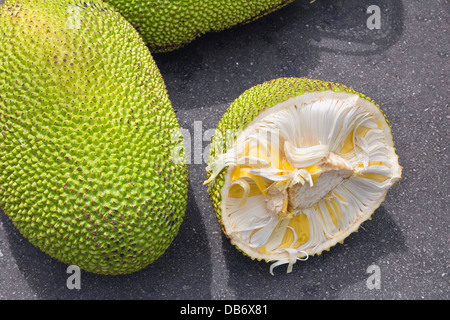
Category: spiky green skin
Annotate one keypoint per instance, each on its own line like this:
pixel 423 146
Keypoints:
pixel 86 137
pixel 169 24
pixel 247 107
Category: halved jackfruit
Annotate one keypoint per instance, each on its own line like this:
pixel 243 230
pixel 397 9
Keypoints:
pixel 309 161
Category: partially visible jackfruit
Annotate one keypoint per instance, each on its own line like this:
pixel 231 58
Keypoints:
pixel 86 137
pixel 297 165
pixel 168 25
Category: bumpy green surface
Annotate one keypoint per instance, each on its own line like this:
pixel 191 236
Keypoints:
pixel 85 137
pixel 248 106
pixel 170 24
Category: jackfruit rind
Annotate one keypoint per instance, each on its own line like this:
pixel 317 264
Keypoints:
pixel 86 127
pixel 168 25
pixel 229 176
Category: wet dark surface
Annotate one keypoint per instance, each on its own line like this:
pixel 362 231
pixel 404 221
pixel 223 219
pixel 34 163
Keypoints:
pixel 403 66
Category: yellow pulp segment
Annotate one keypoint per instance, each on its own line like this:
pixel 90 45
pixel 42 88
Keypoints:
pixel 237 191
pixel 267 154
pixel 348 143
pixel 373 176
pixel 334 210
pixel 244 172
pixel 300 225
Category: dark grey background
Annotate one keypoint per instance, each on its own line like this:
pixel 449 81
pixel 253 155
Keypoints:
pixel 403 66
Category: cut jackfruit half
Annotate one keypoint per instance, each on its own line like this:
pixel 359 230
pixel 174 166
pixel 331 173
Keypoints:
pixel 309 162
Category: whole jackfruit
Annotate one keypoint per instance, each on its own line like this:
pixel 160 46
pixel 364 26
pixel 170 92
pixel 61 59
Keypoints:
pixel 296 165
pixel 171 24
pixel 87 144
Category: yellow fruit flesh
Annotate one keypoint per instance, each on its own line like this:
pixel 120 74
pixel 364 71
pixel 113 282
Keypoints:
pixel 348 144
pixel 300 225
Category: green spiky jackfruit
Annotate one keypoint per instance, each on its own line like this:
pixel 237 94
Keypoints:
pixel 168 25
pixel 296 165
pixel 86 137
